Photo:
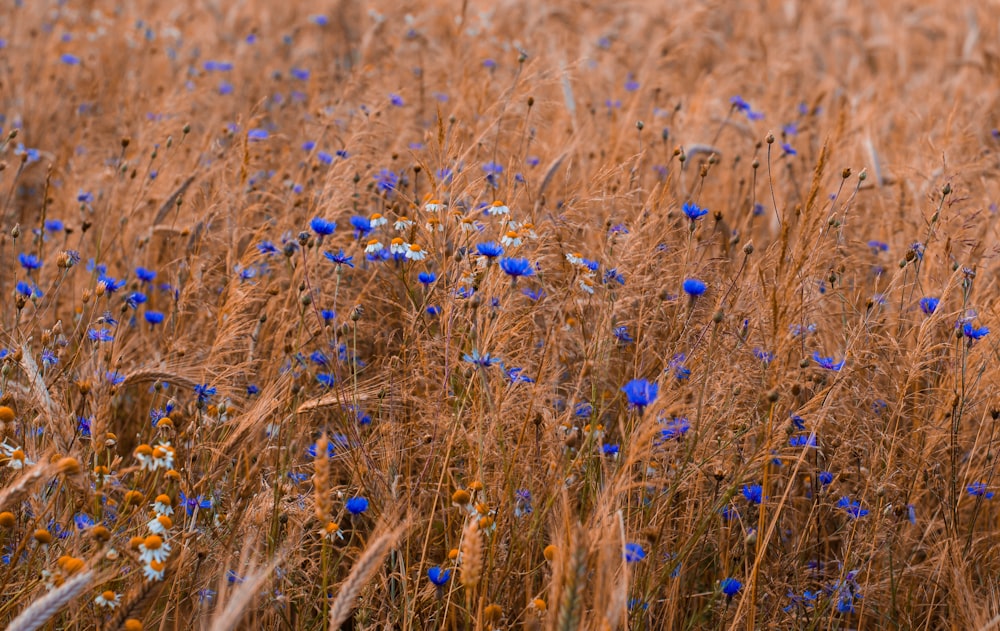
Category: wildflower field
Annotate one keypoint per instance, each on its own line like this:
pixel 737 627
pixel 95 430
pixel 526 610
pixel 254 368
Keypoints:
pixel 480 315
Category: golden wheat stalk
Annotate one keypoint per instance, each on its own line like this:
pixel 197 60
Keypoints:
pixel 360 574
pixel 237 605
pixel 472 554
pixel 13 494
pixel 43 609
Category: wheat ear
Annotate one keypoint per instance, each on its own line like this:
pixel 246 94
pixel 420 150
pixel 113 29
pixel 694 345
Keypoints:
pixel 360 574
pixel 42 610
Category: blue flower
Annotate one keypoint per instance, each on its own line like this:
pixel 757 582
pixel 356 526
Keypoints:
pixel 974 333
pixel 396 100
pixel 612 275
pixel 621 333
pixel 534 294
pixel 483 361
pixel 978 489
pixel 339 258
pixel 438 575
pixel 693 287
pixel 929 305
pixel 322 227
pixel 489 249
pixel 145 275
pixel 852 508
pixel 788 149
pixel 362 225
pixel 825 478
pixel 754 493
pixel 730 587
pixel 426 278
pixel 827 362
pixel 256 135
pixel 693 212
pixel 101 335
pixel 312 451
pixel 515 375
pixel 742 106
pixel 54 225
pixel 356 505
pixel 153 317
pixel 640 393
pixel 634 552
pixel 610 449
pixel 803 441
pixel 299 73
pixel 516 267
pixel 69 59
pixel 29 261
pixel 386 181
pixel 765 356
pixel 674 429
pixel 204 392
pixel 327 380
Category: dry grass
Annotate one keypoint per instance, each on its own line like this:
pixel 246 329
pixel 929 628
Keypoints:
pixel 757 489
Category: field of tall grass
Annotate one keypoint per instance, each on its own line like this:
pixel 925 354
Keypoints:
pixel 487 315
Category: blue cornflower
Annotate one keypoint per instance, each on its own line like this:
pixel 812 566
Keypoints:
pixel 396 100
pixel 83 424
pixel 489 249
pixel 319 358
pixel 301 74
pixel 386 181
pixel 54 225
pixel 634 552
pixel 788 149
pixel 325 157
pixel 252 389
pixel 153 317
pixel 978 489
pixel 111 284
pixel 853 508
pixel 621 333
pixel 145 275
pixel 693 287
pixel 675 429
pixel 114 378
pixel 322 227
pixel 325 379
pixel 483 361
pixel 610 449
pixel 693 212
pixel 204 392
pixel 803 441
pixel 516 267
pixel 69 59
pixel 356 505
pixel 327 314
pixel 101 335
pixel 135 299
pixel 631 85
pixel 433 310
pixel 974 333
pixel 681 372
pixel 515 375
pixel 765 356
pixel 339 258
pixel 827 362
pixel 256 135
pixel 534 294
pixel 83 521
pixel 190 504
pixel 29 261
pixel 612 275
pixel 754 493
pixel 49 358
pixel 312 451
pixel 825 478
pixel 438 575
pixel 362 225
pixel 426 278
pixel 640 393
pixel 730 587
pixel 742 106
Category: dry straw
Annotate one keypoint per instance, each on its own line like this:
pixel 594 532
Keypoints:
pixel 43 609
pixel 362 572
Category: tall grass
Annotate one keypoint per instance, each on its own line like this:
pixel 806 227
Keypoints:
pixel 732 368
